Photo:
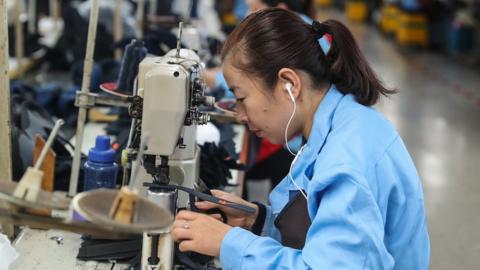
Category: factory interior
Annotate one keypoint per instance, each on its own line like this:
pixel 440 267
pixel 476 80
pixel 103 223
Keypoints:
pixel 183 134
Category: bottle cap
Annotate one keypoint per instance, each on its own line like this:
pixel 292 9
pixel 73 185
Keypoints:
pixel 102 152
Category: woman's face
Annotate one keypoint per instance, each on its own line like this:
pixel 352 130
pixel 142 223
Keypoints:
pixel 266 112
pixel 255 5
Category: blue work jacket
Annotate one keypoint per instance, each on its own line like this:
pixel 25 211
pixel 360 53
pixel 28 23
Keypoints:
pixel 365 199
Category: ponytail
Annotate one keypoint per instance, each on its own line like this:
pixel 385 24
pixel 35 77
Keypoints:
pixel 348 69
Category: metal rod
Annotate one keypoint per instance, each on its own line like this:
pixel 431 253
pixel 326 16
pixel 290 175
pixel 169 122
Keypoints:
pixel 153 7
pixel 32 16
pixel 127 170
pixel 56 12
pixel 48 144
pixel 140 15
pixel 96 99
pixel 179 38
pixel 118 28
pixel 153 259
pixel 136 167
pixel 51 5
pixel 19 49
pixel 82 112
pixel 5 126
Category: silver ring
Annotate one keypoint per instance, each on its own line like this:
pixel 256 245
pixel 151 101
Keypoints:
pixel 186 226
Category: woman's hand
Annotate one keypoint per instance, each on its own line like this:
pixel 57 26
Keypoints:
pixel 199 233
pixel 235 217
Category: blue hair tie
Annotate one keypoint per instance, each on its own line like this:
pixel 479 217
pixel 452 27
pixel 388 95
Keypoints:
pixel 324 44
pixel 325 39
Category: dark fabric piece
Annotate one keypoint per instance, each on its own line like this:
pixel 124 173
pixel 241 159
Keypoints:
pixel 135 52
pixel 66 107
pixel 193 260
pixel 110 70
pixel 156 40
pixel 104 250
pixel 215 165
pixel 50 97
pixel 96 76
pixel 72 43
pixel 164 7
pixel 226 139
pixel 260 220
pixel 47 97
pixel 30 41
pixel 275 167
pixel 293 222
pixel 194 11
pixel 20 88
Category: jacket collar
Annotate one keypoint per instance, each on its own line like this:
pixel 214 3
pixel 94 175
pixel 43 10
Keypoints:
pixel 322 121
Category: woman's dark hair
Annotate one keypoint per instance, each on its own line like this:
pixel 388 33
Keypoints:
pixel 272 39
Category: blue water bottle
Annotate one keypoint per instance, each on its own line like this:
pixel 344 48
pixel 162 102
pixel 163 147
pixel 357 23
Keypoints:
pixel 100 170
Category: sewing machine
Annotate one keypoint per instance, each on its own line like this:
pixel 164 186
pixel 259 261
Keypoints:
pixel 172 91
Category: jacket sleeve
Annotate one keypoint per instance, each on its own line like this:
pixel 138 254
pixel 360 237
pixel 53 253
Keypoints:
pixel 269 228
pixel 346 233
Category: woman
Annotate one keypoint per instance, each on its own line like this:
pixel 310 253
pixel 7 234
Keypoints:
pixel 352 199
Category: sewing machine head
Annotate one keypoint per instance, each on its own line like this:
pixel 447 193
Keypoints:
pixel 172 92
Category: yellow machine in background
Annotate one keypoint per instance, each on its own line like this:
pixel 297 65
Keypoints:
pixel 357 10
pixel 412 29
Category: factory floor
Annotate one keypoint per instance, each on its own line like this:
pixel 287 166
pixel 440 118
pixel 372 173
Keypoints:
pixel 437 113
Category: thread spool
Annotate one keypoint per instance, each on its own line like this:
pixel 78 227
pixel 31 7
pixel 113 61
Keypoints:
pixel 135 52
pixel 124 206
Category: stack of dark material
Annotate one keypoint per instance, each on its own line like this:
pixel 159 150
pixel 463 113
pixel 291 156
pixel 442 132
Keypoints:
pixel 215 165
pixel 30 45
pixel 128 251
pixel 28 119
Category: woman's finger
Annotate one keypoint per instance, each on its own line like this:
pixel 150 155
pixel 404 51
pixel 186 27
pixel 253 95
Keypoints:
pixel 187 245
pixel 217 217
pixel 187 215
pixel 206 205
pixel 179 223
pixel 220 193
pixel 181 234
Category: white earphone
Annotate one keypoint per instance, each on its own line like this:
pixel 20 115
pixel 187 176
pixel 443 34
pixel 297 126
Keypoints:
pixel 288 88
